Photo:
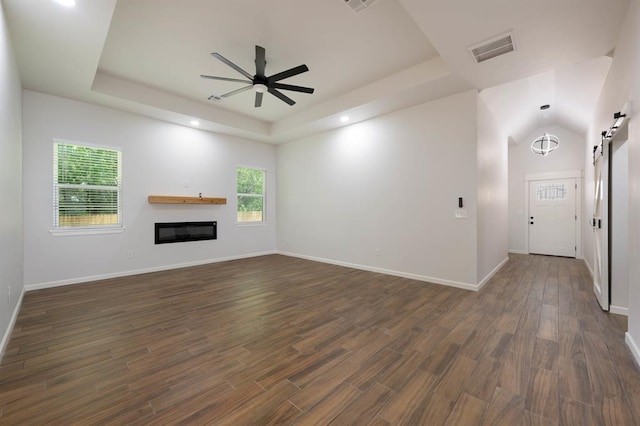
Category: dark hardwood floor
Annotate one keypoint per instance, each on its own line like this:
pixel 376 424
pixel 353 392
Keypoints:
pixel 279 340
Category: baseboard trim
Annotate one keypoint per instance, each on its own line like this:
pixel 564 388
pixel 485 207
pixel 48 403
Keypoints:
pixel 517 251
pixel 417 277
pixel 620 310
pixel 588 267
pixel 492 273
pixel 12 322
pixel 631 344
pixel 80 280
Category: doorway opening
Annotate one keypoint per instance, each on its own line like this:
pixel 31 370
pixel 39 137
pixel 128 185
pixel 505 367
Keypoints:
pixel 619 226
pixel 611 225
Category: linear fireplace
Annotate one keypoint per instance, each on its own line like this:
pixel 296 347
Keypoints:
pixel 178 232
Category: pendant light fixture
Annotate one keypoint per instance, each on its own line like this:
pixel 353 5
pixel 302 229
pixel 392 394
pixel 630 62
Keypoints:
pixel 545 143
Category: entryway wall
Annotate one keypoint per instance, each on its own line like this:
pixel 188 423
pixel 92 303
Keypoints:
pixel 621 86
pixel 522 162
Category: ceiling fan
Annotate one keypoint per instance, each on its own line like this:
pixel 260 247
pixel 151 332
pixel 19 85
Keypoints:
pixel 260 82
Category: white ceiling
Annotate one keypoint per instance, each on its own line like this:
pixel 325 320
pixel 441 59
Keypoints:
pixel 145 56
pixel 165 44
pixel 570 90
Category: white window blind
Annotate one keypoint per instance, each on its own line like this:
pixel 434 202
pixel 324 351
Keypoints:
pixel 87 187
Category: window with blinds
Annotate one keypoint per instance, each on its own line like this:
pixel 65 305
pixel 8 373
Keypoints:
pixel 251 194
pixel 87 187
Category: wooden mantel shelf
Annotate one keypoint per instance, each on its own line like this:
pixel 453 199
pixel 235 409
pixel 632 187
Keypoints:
pixel 169 199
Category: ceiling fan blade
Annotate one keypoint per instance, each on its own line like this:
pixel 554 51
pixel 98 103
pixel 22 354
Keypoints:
pixel 232 65
pixel 235 92
pixel 288 73
pixel 291 87
pixel 235 80
pixel 258 103
pixel 281 96
pixel 261 62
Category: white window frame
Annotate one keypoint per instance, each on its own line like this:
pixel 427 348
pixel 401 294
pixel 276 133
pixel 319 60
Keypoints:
pixel 58 230
pixel 263 196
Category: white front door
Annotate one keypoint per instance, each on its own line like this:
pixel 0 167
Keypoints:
pixel 552 217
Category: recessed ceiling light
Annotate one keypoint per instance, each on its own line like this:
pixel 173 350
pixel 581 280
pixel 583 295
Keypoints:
pixel 344 118
pixel 66 3
pixel 195 123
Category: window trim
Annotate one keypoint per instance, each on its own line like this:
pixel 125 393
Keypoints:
pixel 263 196
pixel 91 229
pixel 62 232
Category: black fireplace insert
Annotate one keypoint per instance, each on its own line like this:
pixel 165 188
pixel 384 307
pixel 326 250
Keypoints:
pixel 179 232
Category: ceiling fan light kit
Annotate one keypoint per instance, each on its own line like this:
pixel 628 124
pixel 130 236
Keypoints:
pixel 259 82
pixel 260 88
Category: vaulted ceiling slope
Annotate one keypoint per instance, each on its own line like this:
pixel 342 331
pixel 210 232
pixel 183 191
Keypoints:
pixel 571 91
pixel 146 56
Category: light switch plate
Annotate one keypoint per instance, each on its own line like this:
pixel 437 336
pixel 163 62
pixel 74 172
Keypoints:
pixel 460 214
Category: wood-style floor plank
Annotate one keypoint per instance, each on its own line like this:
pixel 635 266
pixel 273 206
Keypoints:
pixel 279 340
pixel 505 408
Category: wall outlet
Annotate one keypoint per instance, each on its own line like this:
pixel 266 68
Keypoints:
pixel 130 254
pixel 9 293
pixel 377 252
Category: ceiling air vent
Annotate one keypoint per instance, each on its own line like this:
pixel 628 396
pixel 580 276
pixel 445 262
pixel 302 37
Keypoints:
pixel 491 48
pixel 359 5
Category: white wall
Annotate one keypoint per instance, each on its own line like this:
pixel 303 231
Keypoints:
pixel 11 278
pixel 621 86
pixel 619 222
pixel 158 158
pixel 492 154
pixel 632 31
pixel 568 156
pixel 381 194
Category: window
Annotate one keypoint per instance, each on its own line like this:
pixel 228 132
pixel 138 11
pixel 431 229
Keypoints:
pixel 250 187
pixel 550 192
pixel 87 187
